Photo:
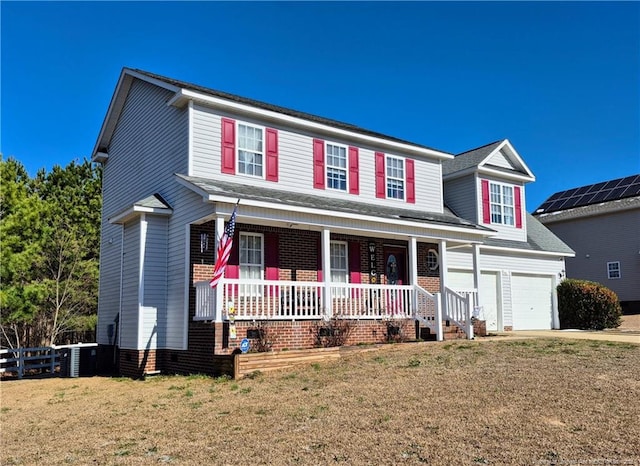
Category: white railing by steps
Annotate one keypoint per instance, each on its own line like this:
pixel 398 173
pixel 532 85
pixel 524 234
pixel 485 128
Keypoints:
pixel 429 310
pixel 458 309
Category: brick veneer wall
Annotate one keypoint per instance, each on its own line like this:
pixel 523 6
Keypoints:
pixel 298 261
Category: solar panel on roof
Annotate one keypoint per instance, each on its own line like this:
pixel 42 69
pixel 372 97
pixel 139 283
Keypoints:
pixel 592 194
pixel 596 187
pixel 615 193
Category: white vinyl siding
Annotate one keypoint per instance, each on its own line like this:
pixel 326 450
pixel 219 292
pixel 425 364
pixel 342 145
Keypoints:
pixel 295 163
pixel 460 196
pixel 499 160
pixel 149 145
pixel 154 300
pixel 109 291
pixel 129 314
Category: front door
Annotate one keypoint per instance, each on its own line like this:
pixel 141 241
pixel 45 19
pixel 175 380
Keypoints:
pixel 395 268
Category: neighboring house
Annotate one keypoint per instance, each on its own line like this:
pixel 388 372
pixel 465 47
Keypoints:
pixel 333 220
pixel 601 223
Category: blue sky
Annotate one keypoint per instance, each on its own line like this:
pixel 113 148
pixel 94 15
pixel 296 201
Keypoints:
pixel 560 80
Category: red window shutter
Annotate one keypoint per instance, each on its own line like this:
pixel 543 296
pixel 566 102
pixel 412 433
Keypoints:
pixel 318 164
pixel 233 266
pixel 354 267
pixel 272 155
pixel 354 171
pixel 518 202
pixel 486 205
pixel 381 191
pixel 354 262
pixel 411 181
pixel 228 146
pixel 319 259
pixel 271 256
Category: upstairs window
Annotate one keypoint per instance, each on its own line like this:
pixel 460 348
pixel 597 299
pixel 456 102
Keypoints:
pixel 250 150
pixel 613 269
pixel 502 205
pixel 336 167
pixel 395 178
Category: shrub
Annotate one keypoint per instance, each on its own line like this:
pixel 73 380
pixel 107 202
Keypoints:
pixel 587 305
pixel 334 332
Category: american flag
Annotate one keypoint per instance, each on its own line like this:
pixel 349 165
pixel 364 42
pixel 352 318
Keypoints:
pixel 224 250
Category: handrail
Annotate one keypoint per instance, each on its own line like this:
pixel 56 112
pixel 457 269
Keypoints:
pixel 458 309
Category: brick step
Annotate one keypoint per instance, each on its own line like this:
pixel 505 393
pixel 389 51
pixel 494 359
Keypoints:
pixel 450 332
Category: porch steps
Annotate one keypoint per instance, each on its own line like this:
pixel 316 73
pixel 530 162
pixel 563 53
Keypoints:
pixel 449 332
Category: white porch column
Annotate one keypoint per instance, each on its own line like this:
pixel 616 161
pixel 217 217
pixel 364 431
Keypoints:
pixel 477 274
pixel 220 288
pixel 443 271
pixel 326 270
pixel 413 261
pixel 413 270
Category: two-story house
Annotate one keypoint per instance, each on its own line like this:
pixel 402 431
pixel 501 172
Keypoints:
pixel 333 220
pixel 601 223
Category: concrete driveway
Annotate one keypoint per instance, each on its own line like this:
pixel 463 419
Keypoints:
pixel 604 335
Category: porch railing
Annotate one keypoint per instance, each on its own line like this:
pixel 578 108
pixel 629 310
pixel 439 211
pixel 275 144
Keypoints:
pixel 290 300
pixel 259 299
pixel 459 308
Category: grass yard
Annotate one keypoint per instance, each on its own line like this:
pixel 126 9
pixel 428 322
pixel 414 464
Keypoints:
pixel 451 403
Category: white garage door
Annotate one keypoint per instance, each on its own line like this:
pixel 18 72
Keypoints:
pixel 461 280
pixel 532 302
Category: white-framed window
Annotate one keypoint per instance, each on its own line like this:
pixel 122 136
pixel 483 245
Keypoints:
pixel 336 166
pixel 613 269
pixel 339 265
pixel 250 150
pixel 251 262
pixel 502 204
pixel 395 177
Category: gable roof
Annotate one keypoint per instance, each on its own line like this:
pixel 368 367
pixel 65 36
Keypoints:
pixel 480 158
pixel 185 91
pixel 592 195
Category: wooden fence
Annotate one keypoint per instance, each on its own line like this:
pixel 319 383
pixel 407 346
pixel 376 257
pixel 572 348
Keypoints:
pixel 47 360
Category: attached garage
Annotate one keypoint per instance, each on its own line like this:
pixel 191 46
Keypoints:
pixel 532 302
pixel 462 280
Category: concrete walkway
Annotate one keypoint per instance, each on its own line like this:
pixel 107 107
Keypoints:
pixel 604 335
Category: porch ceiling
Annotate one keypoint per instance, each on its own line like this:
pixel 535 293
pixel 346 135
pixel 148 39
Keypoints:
pixel 210 188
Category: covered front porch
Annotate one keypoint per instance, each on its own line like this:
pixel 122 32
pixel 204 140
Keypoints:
pixel 307 258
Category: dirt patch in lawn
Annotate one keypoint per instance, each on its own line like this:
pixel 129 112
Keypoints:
pixel 493 402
